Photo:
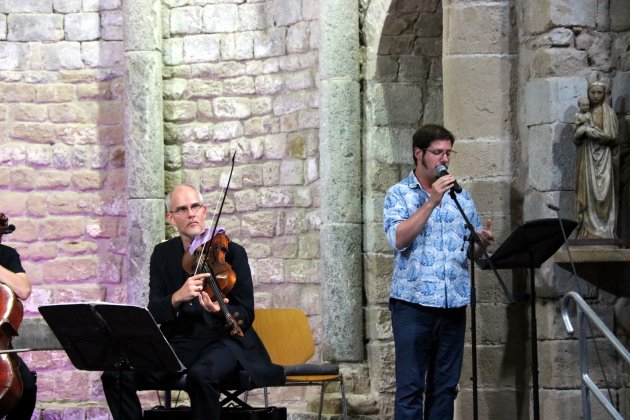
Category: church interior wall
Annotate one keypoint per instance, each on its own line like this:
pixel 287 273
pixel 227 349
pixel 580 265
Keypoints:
pixel 243 76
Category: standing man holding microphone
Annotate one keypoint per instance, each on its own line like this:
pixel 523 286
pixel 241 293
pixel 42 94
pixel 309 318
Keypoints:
pixel 430 283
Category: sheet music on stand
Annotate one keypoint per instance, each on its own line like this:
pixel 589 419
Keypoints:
pixel 104 336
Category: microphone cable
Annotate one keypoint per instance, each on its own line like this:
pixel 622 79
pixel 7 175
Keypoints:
pixel 556 209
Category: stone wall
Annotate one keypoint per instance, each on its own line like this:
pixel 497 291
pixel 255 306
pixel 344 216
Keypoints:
pixel 62 161
pixel 509 96
pixel 238 77
pixel 242 76
pixel 568 45
pixel 402 89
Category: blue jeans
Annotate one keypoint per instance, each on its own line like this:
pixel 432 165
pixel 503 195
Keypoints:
pixel 429 350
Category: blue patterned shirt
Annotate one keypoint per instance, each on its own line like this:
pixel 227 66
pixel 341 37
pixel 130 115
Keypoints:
pixel 433 270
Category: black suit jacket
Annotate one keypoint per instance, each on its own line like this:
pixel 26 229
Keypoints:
pixel 167 276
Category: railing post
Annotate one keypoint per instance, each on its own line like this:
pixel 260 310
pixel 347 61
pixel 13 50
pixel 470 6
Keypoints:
pixel 585 316
pixel 586 403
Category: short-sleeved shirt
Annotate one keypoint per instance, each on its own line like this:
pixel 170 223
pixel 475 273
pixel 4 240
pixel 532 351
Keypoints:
pixel 433 270
pixel 10 259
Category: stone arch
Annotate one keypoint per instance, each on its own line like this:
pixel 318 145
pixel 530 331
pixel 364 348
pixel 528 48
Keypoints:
pixel 402 85
pixel 402 89
pixel 427 61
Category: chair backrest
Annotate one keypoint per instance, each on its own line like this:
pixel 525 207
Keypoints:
pixel 286 334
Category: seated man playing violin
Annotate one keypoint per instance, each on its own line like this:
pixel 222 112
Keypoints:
pixel 15 286
pixel 193 322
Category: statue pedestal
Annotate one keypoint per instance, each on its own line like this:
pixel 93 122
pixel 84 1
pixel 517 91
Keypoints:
pixel 604 266
pixel 593 254
pixel 595 242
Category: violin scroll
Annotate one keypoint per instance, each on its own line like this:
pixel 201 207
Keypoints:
pixel 5 227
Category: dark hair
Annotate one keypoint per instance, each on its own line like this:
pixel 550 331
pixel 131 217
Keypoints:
pixel 426 134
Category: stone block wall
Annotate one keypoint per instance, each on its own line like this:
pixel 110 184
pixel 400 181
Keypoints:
pixel 62 161
pixel 238 77
pixel 402 89
pixel 242 76
pixel 565 47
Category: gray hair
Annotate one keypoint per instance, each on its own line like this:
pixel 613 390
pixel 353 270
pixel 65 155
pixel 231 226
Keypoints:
pixel 167 199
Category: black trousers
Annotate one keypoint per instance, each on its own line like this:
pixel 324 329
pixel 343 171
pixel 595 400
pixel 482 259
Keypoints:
pixel 26 405
pixel 208 362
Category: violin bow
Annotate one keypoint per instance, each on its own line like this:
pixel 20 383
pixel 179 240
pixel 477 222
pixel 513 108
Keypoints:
pixel 236 329
pixel 218 215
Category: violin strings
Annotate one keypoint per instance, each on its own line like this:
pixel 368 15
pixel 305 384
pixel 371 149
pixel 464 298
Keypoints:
pixel 198 263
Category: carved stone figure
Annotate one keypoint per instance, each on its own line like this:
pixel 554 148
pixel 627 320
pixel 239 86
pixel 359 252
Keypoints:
pixel 583 118
pixel 597 161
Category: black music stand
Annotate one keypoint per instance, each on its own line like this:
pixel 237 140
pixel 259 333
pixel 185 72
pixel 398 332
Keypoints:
pixel 104 336
pixel 528 246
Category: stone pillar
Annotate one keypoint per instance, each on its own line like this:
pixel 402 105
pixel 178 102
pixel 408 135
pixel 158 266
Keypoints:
pixel 479 96
pixel 340 163
pixel 143 140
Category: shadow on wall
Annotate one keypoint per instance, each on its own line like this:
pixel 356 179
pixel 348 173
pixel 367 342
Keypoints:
pixel 623 228
pixel 613 282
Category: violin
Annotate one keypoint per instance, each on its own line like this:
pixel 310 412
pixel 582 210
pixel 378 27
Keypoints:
pixel 11 313
pixel 210 258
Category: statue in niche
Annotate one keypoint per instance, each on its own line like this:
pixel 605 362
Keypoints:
pixel 595 137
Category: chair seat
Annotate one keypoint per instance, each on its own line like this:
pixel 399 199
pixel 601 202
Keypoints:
pixel 310 373
pixel 311 369
pixel 312 378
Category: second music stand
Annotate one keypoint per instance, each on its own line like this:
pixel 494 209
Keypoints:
pixel 528 246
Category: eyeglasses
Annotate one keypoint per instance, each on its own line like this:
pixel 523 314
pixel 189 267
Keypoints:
pixel 439 153
pixel 181 211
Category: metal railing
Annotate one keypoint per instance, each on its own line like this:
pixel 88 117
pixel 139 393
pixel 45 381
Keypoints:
pixel 588 385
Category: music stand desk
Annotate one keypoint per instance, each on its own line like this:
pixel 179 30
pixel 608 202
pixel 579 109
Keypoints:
pixel 530 244
pixel 103 336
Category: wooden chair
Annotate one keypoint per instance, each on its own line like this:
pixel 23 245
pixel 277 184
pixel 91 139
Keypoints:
pixel 288 339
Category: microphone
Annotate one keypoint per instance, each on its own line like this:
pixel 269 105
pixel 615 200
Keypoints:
pixel 552 207
pixel 442 170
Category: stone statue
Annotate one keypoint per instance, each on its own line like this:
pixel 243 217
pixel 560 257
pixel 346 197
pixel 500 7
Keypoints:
pixel 595 136
pixel 583 117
